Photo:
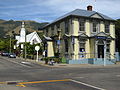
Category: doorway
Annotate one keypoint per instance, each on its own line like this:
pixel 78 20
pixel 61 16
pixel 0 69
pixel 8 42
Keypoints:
pixel 100 51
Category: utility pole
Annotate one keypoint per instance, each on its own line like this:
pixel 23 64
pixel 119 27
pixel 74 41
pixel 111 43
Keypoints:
pixel 10 44
pixel 25 44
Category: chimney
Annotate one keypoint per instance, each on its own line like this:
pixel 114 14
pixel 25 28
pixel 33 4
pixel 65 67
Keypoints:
pixel 89 8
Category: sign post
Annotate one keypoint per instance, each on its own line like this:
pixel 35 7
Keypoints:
pixel 37 49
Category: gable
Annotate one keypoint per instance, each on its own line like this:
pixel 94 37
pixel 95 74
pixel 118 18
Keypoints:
pixel 103 35
pixel 33 36
pixel 83 35
pixel 96 16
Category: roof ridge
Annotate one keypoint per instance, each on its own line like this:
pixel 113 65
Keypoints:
pixel 81 12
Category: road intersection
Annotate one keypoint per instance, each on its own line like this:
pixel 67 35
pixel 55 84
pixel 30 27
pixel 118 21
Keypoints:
pixel 15 75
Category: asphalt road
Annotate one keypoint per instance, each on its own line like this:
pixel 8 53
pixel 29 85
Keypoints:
pixel 16 74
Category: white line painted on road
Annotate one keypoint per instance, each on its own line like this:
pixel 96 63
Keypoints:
pixel 18 63
pixel 87 84
pixel 78 77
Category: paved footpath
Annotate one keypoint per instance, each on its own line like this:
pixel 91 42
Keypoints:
pixel 71 65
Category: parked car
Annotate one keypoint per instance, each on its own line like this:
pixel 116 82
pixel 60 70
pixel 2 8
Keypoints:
pixel 4 54
pixel 1 52
pixel 12 55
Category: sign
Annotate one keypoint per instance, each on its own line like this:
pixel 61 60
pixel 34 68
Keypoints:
pixel 37 48
pixel 58 42
pixel 101 37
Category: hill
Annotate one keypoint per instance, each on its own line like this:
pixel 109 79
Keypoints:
pixel 7 27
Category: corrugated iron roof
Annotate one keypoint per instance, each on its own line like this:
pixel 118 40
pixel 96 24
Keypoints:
pixel 82 13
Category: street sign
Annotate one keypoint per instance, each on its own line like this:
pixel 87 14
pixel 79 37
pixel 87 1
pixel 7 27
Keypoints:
pixel 58 42
pixel 101 37
pixel 37 48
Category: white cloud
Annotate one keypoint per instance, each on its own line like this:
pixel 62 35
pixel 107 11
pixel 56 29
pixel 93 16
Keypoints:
pixel 52 9
pixel 59 7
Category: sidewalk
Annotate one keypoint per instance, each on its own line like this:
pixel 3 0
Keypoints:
pixel 71 65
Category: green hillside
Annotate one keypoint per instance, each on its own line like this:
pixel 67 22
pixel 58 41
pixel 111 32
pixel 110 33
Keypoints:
pixel 7 27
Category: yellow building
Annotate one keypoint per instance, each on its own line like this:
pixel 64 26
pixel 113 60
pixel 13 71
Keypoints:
pixel 82 34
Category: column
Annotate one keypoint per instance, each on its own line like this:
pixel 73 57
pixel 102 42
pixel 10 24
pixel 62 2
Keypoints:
pixel 76 49
pixel 96 49
pixel 87 48
pixel 112 49
pixel 105 47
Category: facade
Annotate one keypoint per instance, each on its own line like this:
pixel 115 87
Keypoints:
pixel 82 34
pixel 33 37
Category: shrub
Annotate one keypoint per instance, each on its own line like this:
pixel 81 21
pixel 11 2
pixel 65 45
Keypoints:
pixel 55 59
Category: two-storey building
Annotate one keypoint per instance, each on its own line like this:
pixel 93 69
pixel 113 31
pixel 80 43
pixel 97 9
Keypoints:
pixel 82 34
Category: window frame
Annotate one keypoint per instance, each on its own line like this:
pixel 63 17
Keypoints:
pixel 46 31
pixel 83 47
pixel 52 29
pixel 67 26
pixel 96 27
pixel 82 22
pixel 66 45
pixel 107 27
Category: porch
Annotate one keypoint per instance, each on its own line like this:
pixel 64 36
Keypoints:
pixel 83 59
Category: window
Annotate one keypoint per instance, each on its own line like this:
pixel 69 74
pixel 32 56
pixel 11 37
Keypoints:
pixel 82 46
pixel 52 29
pixel 95 26
pixel 82 49
pixel 67 26
pixel 47 32
pixel 81 24
pixel 58 25
pixel 107 28
pixel 108 48
pixel 66 45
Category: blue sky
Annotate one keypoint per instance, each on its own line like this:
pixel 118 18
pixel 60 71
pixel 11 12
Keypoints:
pixel 49 10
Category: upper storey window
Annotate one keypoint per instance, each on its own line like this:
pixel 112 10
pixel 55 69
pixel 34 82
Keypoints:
pixel 58 25
pixel 52 29
pixel 47 32
pixel 67 26
pixel 95 26
pixel 107 27
pixel 81 24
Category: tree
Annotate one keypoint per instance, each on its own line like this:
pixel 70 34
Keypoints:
pixel 117 32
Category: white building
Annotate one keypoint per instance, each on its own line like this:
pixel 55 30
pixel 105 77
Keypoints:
pixel 32 37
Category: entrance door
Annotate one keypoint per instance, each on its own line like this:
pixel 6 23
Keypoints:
pixel 100 51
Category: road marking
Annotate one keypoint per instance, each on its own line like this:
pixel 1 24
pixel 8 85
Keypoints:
pixel 18 63
pixel 21 85
pixel 2 82
pixel 43 81
pixel 87 84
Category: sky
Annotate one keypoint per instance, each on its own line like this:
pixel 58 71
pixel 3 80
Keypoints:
pixel 49 10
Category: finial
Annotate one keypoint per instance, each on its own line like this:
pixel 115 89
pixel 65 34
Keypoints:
pixel 23 24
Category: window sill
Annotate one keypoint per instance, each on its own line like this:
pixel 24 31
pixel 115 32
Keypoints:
pixel 81 32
